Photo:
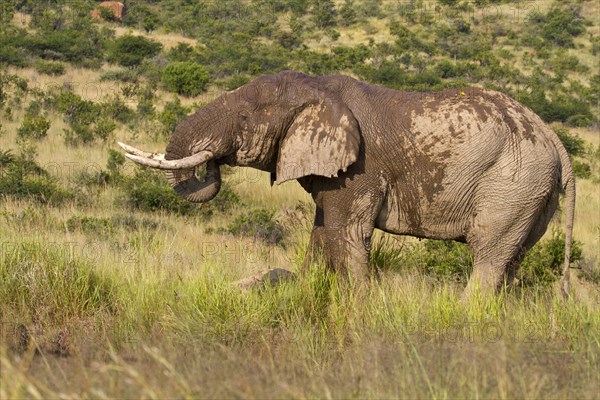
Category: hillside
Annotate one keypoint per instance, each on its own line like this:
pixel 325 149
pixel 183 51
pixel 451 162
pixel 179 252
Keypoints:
pixel 112 286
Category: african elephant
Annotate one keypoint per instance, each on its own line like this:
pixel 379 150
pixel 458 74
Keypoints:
pixel 471 165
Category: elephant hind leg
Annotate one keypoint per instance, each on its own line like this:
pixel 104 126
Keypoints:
pixel 498 245
pixel 535 234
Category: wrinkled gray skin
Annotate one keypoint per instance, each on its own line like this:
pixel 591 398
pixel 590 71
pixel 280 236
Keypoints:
pixel 470 165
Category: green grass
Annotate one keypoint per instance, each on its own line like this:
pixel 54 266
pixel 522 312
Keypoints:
pixel 404 337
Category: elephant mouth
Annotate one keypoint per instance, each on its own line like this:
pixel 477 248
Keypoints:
pixel 181 173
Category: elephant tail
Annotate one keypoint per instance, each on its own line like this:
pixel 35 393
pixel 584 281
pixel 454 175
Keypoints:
pixel 568 183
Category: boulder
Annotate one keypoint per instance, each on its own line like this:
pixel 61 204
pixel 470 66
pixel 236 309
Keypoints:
pixel 117 8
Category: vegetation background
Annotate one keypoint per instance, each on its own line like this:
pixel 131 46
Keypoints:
pixel 112 286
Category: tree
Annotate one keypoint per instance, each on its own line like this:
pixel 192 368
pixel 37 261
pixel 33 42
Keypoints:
pixel 186 78
pixel 324 13
pixel 130 51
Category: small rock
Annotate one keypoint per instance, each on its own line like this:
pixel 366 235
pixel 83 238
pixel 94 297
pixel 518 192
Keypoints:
pixel 272 277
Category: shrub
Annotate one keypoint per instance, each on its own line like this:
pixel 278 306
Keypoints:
pixel 561 25
pixel 324 13
pixel 185 78
pixel 23 178
pixel 149 190
pixel 130 51
pixel 50 68
pixel 582 169
pixel 123 75
pixel 446 259
pixel 33 127
pixel 562 107
pixel 259 224
pixel 106 14
pixel 85 119
pixel 543 264
pixel 574 145
pixel 117 110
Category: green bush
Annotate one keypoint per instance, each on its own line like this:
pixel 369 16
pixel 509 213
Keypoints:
pixel 23 178
pixel 33 127
pixel 446 259
pixel 574 145
pixel 148 190
pixel 560 25
pixel 259 224
pixel 582 170
pixel 186 78
pixel 130 51
pixel 107 14
pixel 561 107
pixel 50 68
pixel 124 75
pixel 543 264
pixel 88 121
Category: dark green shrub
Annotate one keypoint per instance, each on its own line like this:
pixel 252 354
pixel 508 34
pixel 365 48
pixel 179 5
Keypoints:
pixel 23 178
pixel 582 169
pixel 130 51
pixel 50 68
pixel 181 52
pixel 33 126
pixel 124 75
pixel 117 110
pixel 106 14
pixel 561 107
pixel 574 145
pixel 148 190
pixel 11 84
pixel 447 259
pixel 324 13
pixel 185 78
pixel 543 264
pixel 86 120
pixel 259 224
pixel 560 25
pixel 104 128
pixel 145 106
pixel 235 81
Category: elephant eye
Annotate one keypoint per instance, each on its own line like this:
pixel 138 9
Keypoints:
pixel 243 117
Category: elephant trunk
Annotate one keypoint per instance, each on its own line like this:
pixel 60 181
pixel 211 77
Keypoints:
pixel 188 186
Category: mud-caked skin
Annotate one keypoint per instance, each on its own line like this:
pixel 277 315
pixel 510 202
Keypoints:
pixel 470 165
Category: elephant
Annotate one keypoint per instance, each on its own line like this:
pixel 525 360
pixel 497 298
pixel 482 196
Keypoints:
pixel 470 165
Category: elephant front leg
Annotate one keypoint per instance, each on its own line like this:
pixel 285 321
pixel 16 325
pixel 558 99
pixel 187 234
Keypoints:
pixel 343 249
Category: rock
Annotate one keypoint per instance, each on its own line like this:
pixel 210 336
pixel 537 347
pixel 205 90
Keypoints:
pixel 271 277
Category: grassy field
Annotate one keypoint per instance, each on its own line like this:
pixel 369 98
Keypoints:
pixel 99 299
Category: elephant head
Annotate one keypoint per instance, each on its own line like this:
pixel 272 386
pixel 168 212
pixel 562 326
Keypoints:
pixel 288 124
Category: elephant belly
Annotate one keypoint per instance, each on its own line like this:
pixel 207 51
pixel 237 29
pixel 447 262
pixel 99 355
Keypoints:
pixel 403 215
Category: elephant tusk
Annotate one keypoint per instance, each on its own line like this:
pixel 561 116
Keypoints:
pixel 132 150
pixel 182 163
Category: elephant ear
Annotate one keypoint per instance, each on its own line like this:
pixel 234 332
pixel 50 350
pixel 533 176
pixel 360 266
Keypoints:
pixel 323 139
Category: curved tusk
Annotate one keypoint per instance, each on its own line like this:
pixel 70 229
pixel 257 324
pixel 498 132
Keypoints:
pixel 182 163
pixel 132 150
